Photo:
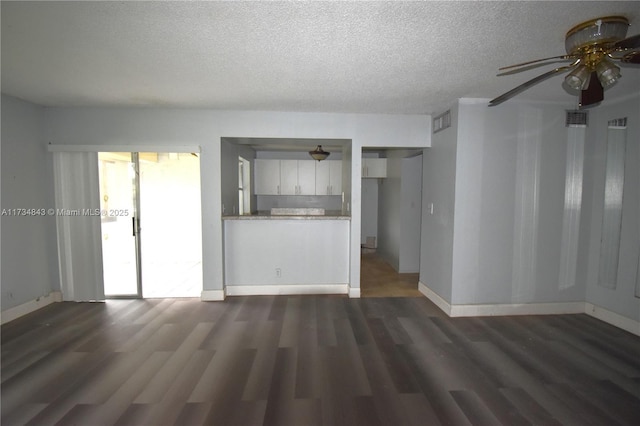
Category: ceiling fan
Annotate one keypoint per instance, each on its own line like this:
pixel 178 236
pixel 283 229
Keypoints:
pixel 591 46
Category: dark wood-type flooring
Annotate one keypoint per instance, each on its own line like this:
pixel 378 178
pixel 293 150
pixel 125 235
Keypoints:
pixel 310 360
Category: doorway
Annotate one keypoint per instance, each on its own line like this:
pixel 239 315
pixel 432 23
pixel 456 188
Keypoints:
pixel 392 210
pixel 151 224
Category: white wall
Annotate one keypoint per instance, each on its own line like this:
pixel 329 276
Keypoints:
pixel 438 203
pixel 171 127
pixel 389 212
pixel 275 252
pixel 509 205
pixel 369 224
pixel 411 214
pixel 399 210
pixel 29 247
pixel 499 236
pixel 620 300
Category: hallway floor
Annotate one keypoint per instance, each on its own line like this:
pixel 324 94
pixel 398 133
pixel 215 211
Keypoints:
pixel 379 279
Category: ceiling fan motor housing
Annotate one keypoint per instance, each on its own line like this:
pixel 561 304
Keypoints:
pixel 594 37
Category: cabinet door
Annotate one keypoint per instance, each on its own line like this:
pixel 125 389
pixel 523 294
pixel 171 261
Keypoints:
pixel 323 177
pixel 288 177
pixel 374 167
pixel 267 177
pixel 335 177
pixel 306 177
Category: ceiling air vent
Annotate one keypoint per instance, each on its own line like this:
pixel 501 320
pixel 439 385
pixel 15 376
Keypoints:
pixel 442 121
pixel 618 123
pixel 577 119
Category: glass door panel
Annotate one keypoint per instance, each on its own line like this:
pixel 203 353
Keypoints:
pixel 117 202
pixel 170 227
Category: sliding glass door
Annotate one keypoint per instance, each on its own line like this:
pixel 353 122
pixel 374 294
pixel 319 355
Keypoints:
pixel 153 248
pixel 171 225
pixel 119 201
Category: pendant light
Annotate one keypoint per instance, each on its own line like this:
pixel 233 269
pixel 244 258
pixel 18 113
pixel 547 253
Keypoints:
pixel 319 154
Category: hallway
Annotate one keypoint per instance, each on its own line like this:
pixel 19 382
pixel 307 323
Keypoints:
pixel 379 279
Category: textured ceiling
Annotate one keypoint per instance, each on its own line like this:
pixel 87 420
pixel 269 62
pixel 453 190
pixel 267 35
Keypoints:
pixel 360 57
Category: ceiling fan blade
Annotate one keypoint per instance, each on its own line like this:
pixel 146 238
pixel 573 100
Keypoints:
pixel 561 57
pixel 631 58
pixel 511 93
pixel 632 42
pixel 592 94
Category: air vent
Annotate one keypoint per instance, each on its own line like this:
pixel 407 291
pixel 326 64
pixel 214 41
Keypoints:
pixel 442 121
pixel 618 123
pixel 577 119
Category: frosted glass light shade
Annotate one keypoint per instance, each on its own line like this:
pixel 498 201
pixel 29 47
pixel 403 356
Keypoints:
pixel 600 30
pixel 579 78
pixel 608 73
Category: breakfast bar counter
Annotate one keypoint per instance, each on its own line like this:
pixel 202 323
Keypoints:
pixel 289 214
pixel 268 253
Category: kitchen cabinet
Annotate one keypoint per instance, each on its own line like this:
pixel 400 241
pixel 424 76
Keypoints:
pixel 267 177
pixel 285 177
pixel 297 177
pixel 374 167
pixel 329 177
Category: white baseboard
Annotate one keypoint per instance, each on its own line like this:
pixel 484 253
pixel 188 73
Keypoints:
pixel 212 295
pixel 612 318
pixel 30 306
pixel 290 289
pixel 485 310
pixel 560 308
pixel 501 309
pixel 354 293
pixel 435 298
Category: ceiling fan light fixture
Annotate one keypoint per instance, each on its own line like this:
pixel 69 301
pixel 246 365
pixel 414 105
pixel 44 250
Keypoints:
pixel 319 154
pixel 608 73
pixel 592 46
pixel 600 30
pixel 578 78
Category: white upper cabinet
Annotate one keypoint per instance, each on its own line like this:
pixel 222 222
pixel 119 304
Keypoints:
pixel 374 167
pixel 285 177
pixel 297 177
pixel 306 177
pixel 288 177
pixel 329 177
pixel 267 177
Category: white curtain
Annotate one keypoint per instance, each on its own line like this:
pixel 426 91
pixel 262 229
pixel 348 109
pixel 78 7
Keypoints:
pixel 79 235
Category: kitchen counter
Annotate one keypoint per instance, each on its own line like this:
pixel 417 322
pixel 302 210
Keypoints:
pixel 270 254
pixel 262 215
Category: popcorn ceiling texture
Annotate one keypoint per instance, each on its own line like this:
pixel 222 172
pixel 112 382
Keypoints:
pixel 360 57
